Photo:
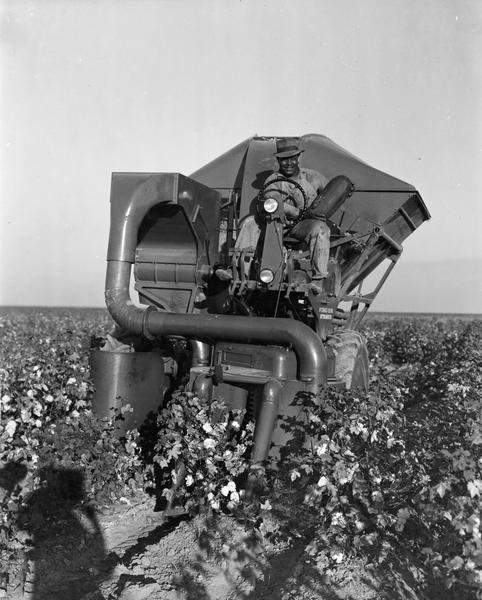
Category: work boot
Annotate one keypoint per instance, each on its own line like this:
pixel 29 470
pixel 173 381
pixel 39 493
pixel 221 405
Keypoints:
pixel 316 285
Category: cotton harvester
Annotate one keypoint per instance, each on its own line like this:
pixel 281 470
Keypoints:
pixel 261 335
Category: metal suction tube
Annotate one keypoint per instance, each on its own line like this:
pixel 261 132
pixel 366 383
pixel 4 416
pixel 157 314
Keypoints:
pixel 151 323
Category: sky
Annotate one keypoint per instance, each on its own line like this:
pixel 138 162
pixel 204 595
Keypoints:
pixel 91 87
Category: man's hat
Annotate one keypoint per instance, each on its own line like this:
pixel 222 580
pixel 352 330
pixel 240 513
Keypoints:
pixel 286 147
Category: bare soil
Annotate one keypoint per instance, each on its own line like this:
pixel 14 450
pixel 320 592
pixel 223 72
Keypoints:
pixel 129 551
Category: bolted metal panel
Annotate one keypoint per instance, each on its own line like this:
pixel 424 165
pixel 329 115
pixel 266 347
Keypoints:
pixel 278 361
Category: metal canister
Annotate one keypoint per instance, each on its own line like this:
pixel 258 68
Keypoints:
pixel 127 378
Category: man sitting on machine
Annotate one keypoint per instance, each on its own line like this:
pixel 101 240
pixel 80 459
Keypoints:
pixel 299 221
pixel 307 199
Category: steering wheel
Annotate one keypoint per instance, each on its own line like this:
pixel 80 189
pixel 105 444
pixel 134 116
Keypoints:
pixel 287 194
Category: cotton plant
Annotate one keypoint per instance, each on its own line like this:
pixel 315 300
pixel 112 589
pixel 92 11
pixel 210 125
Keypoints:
pixel 204 443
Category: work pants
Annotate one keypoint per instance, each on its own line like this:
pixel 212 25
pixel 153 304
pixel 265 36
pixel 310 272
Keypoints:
pixel 316 234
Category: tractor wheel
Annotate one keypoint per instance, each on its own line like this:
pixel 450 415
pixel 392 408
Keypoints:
pixel 351 359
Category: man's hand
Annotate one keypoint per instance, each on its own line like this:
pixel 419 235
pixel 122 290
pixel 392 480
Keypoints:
pixel 290 211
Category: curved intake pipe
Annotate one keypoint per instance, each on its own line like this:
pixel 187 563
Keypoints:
pixel 151 323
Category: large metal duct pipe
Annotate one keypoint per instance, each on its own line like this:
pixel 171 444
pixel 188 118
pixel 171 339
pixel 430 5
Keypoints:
pixel 152 323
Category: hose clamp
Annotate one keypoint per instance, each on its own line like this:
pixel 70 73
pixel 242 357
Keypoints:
pixel 145 316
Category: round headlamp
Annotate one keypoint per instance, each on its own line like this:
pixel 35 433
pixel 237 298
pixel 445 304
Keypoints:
pixel 266 275
pixel 270 205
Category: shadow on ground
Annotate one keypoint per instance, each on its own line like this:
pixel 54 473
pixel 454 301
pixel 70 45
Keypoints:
pixel 67 557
